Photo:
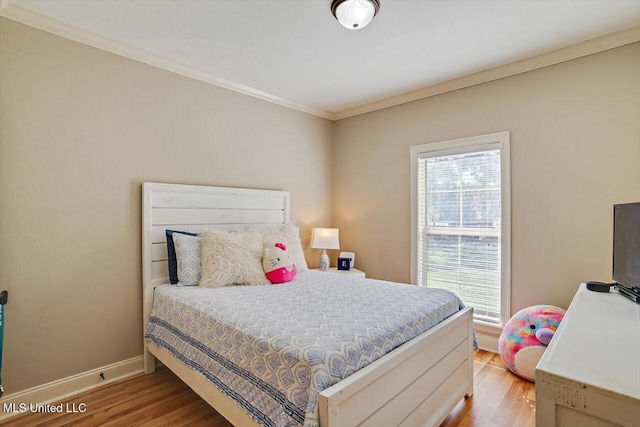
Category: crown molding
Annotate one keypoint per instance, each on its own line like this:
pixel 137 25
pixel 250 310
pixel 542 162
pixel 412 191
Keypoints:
pixel 10 10
pixel 589 47
pixel 14 12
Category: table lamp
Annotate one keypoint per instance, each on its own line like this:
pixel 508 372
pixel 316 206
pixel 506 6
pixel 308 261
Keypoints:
pixel 325 238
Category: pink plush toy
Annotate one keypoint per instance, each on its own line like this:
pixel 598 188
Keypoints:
pixel 526 336
pixel 278 265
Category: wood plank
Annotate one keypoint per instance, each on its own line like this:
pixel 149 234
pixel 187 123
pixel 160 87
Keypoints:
pixel 140 400
pixel 216 216
pixel 413 396
pixel 443 394
pixel 229 201
pixel 158 232
pixel 160 270
pixel 159 252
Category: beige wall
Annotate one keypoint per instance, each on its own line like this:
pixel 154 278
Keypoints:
pixel 575 151
pixel 80 130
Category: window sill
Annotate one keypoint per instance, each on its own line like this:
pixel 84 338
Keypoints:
pixel 490 328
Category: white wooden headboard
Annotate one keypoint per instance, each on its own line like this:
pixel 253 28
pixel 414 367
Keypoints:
pixel 195 208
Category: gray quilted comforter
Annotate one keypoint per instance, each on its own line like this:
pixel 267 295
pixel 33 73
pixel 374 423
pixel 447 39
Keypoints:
pixel 274 348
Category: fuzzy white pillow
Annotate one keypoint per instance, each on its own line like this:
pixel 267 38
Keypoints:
pixel 290 236
pixel 232 259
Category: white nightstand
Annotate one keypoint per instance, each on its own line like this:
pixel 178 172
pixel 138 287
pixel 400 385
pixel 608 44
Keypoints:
pixel 353 272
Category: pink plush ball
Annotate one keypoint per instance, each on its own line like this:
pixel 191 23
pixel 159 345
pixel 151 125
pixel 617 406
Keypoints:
pixel 526 336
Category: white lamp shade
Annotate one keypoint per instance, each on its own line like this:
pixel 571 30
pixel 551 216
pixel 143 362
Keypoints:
pixel 325 238
pixel 355 14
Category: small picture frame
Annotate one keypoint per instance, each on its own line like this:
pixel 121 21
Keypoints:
pixel 344 264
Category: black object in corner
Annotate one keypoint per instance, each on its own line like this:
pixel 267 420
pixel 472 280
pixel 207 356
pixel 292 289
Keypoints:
pixel 4 297
pixel 629 293
pixel 599 286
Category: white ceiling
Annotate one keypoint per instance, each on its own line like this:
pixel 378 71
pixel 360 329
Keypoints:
pixel 296 50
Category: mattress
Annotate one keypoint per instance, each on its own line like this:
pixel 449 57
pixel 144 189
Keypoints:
pixel 274 348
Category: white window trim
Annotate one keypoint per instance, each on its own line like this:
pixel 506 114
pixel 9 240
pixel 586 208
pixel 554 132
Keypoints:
pixel 458 146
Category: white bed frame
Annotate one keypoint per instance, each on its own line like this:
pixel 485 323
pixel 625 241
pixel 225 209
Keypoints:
pixel 417 384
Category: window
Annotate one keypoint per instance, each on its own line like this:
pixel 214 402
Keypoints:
pixel 461 221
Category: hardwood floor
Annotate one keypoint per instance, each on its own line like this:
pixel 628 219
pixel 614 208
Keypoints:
pixel 500 398
pixel 161 399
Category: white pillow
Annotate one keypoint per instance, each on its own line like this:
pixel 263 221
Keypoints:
pixel 232 259
pixel 290 236
pixel 188 249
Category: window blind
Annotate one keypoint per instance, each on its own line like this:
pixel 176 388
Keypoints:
pixel 459 228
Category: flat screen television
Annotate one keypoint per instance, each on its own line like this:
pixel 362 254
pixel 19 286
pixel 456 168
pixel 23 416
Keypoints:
pixel 626 244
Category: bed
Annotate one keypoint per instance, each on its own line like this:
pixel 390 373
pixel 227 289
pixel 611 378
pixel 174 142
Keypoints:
pixel 416 382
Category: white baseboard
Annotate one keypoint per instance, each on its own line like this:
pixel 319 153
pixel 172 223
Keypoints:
pixel 75 384
pixel 488 336
pixel 487 342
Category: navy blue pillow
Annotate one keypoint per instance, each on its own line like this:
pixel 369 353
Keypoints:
pixel 171 254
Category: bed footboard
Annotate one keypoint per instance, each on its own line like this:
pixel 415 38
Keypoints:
pixel 419 383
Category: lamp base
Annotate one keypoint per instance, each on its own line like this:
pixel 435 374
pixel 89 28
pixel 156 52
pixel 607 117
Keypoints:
pixel 324 261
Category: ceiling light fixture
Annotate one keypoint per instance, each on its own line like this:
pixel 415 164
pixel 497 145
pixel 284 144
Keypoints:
pixel 355 14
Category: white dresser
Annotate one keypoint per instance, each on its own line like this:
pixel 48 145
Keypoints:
pixel 590 374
